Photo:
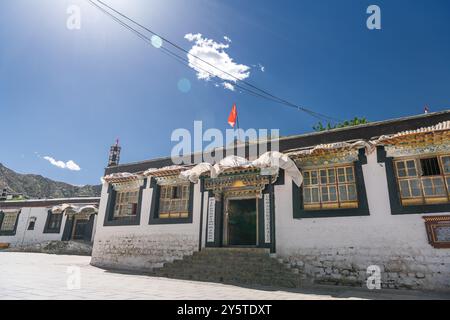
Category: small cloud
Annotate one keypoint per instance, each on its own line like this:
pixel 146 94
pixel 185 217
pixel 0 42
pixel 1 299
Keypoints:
pixel 228 86
pixel 225 68
pixel 70 165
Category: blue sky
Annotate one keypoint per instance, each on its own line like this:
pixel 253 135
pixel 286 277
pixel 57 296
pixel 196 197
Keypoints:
pixel 68 94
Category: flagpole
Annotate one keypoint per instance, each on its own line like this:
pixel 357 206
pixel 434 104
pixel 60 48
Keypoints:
pixel 237 123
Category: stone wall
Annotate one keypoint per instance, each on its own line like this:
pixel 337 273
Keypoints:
pixel 400 269
pixel 142 252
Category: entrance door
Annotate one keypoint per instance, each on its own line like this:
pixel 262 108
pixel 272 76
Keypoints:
pixel 80 229
pixel 242 222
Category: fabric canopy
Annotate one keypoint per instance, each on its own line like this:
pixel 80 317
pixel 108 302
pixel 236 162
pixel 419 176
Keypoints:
pixel 272 160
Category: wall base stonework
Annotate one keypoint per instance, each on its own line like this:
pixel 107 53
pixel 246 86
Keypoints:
pixel 400 269
pixel 141 252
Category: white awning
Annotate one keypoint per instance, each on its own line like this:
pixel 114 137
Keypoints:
pixel 74 209
pixel 271 161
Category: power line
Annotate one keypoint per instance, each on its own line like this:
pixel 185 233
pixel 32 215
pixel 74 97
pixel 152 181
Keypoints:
pixel 177 57
pixel 260 92
pixel 215 67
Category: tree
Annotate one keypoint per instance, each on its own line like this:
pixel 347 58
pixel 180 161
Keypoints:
pixel 347 123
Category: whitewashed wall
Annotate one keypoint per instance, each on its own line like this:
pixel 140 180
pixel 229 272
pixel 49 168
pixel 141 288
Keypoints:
pixel 144 246
pixel 334 250
pixel 339 250
pixel 26 237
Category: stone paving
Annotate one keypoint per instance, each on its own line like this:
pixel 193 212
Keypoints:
pixel 44 276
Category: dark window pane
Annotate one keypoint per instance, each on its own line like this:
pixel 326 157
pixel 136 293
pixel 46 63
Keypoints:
pixel 343 193
pixel 404 189
pixel 325 194
pixel 333 195
pixel 430 167
pixel 331 176
pixel 307 178
pixel 313 177
pixel 307 195
pixel 446 164
pixel 349 172
pixel 323 176
pixel 315 194
pixel 411 165
pixel 352 192
pixel 415 188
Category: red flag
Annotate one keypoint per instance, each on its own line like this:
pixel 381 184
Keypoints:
pixel 233 116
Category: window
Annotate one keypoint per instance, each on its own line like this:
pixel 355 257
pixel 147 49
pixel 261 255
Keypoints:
pixel 423 180
pixel 126 204
pixel 31 223
pixel 330 188
pixel 54 222
pixel 8 223
pixel 174 201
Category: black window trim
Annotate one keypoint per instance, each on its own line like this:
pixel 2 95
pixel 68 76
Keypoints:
pixel 47 228
pixel 154 208
pixel 135 220
pixel 396 206
pixel 9 232
pixel 363 206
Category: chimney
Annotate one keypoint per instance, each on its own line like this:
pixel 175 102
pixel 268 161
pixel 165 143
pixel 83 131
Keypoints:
pixel 114 155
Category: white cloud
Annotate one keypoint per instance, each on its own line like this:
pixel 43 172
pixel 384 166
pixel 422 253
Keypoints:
pixel 228 86
pixel 70 165
pixel 214 54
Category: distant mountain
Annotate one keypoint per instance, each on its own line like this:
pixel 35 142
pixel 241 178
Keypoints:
pixel 35 186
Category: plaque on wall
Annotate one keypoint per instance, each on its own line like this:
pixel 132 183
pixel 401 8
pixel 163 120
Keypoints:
pixel 438 231
pixel 211 219
pixel 266 218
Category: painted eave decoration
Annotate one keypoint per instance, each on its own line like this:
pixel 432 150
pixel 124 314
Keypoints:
pixel 290 161
pixel 122 177
pixel 74 209
pixel 436 133
pixel 165 171
pixel 331 147
pixel 269 163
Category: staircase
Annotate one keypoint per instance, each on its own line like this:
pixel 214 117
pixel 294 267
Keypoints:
pixel 249 266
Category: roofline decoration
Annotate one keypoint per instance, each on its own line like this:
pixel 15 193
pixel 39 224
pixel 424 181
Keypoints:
pixel 122 177
pixel 124 181
pixel 364 132
pixel 269 163
pixel 337 146
pixel 35 203
pixel 71 209
pixel 165 171
pixel 442 127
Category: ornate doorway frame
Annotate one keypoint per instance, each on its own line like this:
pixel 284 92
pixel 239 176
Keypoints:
pixel 226 219
pixel 239 183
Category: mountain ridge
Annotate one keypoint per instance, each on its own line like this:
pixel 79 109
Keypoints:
pixel 36 186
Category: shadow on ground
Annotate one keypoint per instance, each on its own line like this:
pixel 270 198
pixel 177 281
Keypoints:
pixel 323 290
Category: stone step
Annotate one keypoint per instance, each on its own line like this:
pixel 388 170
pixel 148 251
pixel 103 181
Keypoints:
pixel 249 266
pixel 262 281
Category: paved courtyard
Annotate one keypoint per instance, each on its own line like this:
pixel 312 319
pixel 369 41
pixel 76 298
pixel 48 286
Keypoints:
pixel 42 276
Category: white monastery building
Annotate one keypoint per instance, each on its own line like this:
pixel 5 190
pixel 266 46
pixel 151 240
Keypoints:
pixel 338 207
pixel 29 222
